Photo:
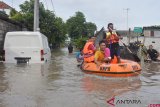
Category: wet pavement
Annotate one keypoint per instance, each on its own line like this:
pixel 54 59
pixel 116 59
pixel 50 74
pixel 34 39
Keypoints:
pixel 60 83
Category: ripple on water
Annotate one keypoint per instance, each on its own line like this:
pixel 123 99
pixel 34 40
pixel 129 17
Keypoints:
pixel 61 83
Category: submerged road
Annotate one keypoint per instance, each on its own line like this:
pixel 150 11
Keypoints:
pixel 60 83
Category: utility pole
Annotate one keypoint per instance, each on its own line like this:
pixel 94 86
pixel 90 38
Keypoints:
pixel 128 30
pixel 127 9
pixel 36 15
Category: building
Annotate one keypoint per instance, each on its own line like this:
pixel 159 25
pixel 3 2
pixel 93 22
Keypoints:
pixel 5 7
pixel 151 31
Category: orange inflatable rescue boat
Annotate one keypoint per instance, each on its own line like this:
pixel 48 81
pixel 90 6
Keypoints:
pixel 124 69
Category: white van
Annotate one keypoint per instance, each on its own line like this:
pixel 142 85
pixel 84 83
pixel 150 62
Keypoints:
pixel 26 47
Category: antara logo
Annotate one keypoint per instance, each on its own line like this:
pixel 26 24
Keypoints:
pixel 114 102
pixel 111 101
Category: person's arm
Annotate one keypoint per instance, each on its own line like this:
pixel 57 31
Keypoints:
pixel 107 55
pixel 107 52
pixel 96 56
pixel 92 47
pixel 119 36
pixel 109 33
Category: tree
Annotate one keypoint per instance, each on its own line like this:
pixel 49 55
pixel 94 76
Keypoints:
pixel 80 42
pixel 78 27
pixel 91 28
pixel 12 12
pixel 50 25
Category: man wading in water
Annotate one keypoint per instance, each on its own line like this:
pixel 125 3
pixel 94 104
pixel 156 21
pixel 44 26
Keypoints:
pixel 70 48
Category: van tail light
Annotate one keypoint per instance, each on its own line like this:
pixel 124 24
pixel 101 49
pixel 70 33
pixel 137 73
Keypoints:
pixel 42 55
pixel 3 55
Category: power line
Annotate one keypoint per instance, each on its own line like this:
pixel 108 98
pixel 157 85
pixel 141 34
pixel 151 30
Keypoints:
pixel 46 4
pixel 53 7
pixel 12 3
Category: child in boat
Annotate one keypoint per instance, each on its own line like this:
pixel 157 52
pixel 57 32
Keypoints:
pixel 79 56
pixel 103 54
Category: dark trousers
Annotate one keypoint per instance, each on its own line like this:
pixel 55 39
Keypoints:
pixel 114 49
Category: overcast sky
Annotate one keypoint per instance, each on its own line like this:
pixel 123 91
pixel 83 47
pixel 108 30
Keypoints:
pixel 101 12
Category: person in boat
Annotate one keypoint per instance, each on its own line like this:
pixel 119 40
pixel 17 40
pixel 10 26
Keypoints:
pixel 70 48
pixel 79 56
pixel 89 49
pixel 153 54
pixel 112 38
pixel 103 54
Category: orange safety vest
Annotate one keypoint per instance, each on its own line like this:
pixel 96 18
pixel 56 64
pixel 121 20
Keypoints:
pixel 112 38
pixel 88 54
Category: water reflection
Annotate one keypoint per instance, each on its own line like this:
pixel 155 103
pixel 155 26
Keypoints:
pixel 3 83
pixel 109 87
pixel 23 82
pixel 151 73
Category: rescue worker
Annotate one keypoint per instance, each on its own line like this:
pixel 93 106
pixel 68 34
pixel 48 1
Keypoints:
pixel 112 39
pixel 89 50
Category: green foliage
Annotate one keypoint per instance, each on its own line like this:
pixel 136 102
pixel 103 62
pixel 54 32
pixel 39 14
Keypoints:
pixel 78 27
pixel 17 17
pixel 13 12
pixel 80 42
pixel 54 27
pixel 50 25
pixel 91 28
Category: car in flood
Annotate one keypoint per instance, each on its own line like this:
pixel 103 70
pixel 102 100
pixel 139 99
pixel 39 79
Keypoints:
pixel 26 47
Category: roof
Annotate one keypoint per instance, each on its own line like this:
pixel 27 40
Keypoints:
pixel 4 5
pixel 23 32
pixel 152 28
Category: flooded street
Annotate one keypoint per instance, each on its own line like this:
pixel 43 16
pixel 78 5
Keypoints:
pixel 60 83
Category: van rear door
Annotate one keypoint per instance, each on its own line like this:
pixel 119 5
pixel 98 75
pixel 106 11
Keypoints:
pixel 22 46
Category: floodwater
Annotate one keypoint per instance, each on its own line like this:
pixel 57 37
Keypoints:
pixel 60 83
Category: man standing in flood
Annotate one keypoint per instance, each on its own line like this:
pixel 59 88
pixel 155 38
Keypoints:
pixel 153 54
pixel 70 48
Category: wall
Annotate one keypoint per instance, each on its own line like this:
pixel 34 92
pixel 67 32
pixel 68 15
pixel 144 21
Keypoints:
pixel 7 25
pixel 157 33
pixel 152 33
pixel 146 40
